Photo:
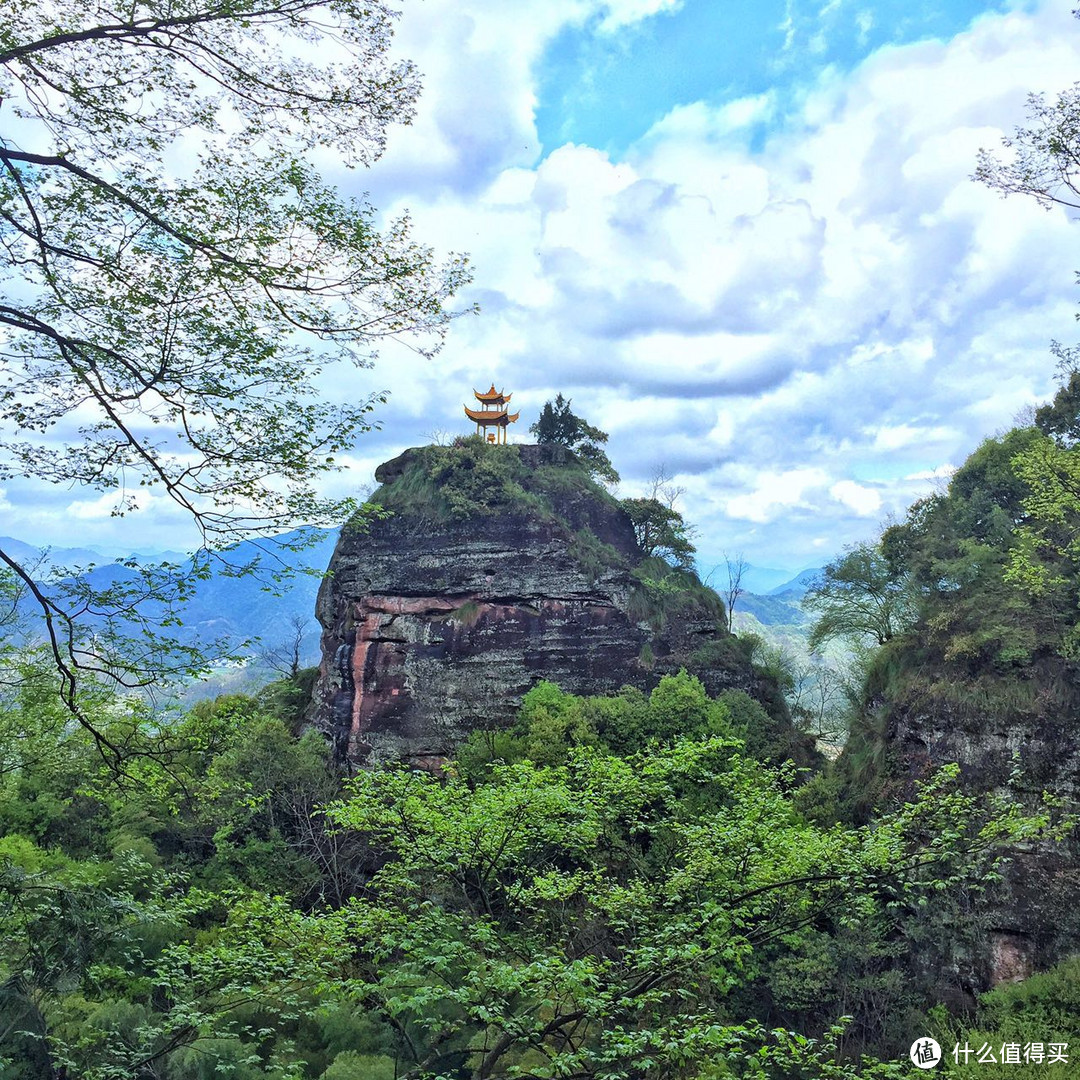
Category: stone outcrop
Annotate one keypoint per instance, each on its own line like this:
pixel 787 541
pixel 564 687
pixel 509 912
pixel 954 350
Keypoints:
pixel 1032 918
pixel 434 625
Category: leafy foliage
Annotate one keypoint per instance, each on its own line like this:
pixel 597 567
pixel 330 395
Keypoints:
pixel 859 595
pixel 473 478
pixel 592 917
pixel 1060 418
pixel 179 282
pixel 1041 1010
pixel 558 424
pixel 1044 562
pixel 593 555
pixel 660 532
pixel 1043 156
pixel 614 888
pixel 664 593
pixel 964 552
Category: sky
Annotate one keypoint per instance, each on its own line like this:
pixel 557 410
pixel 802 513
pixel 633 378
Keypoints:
pixel 742 237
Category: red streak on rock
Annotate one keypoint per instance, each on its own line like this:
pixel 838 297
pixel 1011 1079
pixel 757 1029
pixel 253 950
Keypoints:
pixel 414 605
pixel 365 632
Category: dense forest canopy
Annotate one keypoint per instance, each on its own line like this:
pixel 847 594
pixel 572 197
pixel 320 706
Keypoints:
pixel 612 887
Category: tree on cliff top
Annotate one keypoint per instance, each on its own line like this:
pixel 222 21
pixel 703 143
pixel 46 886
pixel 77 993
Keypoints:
pixel 176 278
pixel 1042 160
pixel 557 424
pixel 859 596
pixel 661 532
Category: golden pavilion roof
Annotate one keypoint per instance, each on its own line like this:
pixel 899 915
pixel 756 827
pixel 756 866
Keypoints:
pixel 501 417
pixel 492 414
pixel 492 396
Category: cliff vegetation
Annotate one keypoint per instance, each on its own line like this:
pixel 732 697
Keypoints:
pixel 964 618
pixel 616 887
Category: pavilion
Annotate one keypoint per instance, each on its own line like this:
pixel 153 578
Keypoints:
pixel 494 413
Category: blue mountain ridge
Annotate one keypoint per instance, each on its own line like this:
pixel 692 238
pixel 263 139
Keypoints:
pixel 799 583
pixel 231 603
pixel 781 605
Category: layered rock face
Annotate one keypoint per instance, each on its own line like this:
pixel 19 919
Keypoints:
pixel 1033 919
pixel 436 625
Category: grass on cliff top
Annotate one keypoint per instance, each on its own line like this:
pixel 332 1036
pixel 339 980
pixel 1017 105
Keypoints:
pixel 906 674
pixel 473 479
pixel 663 592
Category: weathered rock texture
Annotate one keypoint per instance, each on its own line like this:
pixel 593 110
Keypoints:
pixel 1032 917
pixel 432 628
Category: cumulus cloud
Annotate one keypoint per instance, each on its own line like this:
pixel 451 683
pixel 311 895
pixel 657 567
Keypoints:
pixel 774 493
pixel 798 300
pixel 620 13
pixel 104 506
pixel 839 303
pixel 864 501
pixel 942 472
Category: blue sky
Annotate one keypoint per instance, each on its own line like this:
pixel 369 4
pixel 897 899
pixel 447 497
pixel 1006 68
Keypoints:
pixel 606 90
pixel 742 237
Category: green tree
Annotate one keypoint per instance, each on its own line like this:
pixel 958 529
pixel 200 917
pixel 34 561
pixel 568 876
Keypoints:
pixel 1060 418
pixel 558 424
pixel 660 532
pixel 966 550
pixel 859 595
pixel 1045 560
pixel 178 281
pixel 1044 163
pixel 101 876
pixel 593 918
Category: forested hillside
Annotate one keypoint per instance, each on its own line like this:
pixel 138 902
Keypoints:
pixel 613 887
pixel 969 606
pixel 545 810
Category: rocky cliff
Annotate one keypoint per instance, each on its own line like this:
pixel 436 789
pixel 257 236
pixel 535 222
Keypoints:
pixel 1016 739
pixel 498 567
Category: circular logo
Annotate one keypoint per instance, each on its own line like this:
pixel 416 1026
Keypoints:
pixel 925 1053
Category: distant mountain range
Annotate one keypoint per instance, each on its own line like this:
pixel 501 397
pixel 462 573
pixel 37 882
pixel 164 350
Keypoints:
pixel 240 607
pixel 776 613
pixel 83 556
pixel 768 581
pixel 778 604
pixel 757 579
pixel 800 583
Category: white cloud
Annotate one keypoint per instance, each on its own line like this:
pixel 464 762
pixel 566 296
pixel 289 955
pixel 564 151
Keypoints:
pixel 778 320
pixel 865 501
pixel 942 472
pixel 776 492
pixel 621 13
pixel 901 436
pixel 108 505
